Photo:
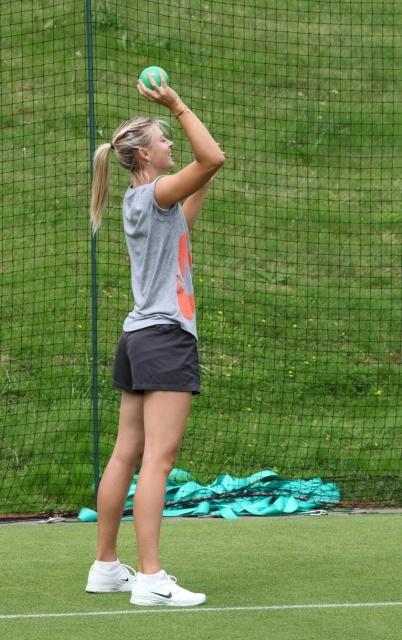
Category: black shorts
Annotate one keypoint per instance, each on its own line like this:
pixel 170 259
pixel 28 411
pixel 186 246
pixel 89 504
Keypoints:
pixel 163 357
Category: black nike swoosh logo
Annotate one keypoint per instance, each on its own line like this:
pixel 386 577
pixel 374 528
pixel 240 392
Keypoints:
pixel 124 579
pixel 162 595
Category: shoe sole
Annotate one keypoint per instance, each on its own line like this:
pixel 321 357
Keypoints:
pixel 144 602
pixel 96 588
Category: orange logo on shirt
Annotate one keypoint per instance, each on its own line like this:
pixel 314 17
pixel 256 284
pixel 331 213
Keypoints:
pixel 186 300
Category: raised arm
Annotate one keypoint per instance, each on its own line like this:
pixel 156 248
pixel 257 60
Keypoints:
pixel 208 156
pixel 193 205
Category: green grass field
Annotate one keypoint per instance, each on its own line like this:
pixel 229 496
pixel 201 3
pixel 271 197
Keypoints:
pixel 297 266
pixel 295 578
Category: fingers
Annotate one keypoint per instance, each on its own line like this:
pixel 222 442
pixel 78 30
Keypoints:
pixel 163 94
pixel 150 93
pixel 163 79
pixel 145 92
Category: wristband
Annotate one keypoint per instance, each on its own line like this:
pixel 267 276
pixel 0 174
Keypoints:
pixel 185 110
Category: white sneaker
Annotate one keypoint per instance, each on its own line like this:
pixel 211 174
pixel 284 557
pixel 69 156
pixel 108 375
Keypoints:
pixel 164 591
pixel 120 579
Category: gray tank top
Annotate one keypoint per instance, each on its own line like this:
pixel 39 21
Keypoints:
pixel 158 243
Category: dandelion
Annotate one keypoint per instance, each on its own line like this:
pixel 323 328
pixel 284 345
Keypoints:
pixel 220 312
pixel 228 375
pixel 294 326
pixel 376 444
pixel 263 320
pixel 80 326
pixel 306 362
pixel 378 392
pixel 212 279
pixel 249 409
pixel 201 279
pixel 290 372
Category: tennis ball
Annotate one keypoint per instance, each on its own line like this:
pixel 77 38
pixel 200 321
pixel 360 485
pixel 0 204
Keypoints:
pixel 154 72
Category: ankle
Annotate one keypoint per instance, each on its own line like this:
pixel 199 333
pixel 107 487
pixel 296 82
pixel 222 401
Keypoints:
pixel 105 559
pixel 151 578
pixel 149 570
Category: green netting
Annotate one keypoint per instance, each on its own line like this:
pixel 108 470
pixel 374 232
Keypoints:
pixel 297 256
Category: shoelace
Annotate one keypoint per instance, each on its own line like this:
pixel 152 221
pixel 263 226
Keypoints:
pixel 131 572
pixel 173 580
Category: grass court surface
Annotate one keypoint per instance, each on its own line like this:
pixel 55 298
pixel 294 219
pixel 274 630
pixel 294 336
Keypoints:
pixel 288 578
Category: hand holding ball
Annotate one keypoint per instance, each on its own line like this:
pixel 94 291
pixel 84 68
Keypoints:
pixel 154 73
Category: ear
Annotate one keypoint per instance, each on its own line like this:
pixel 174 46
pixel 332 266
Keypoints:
pixel 144 154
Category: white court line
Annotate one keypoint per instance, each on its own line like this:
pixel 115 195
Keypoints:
pixel 283 607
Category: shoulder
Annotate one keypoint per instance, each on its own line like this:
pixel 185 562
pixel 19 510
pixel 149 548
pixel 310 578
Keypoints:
pixel 140 206
pixel 138 198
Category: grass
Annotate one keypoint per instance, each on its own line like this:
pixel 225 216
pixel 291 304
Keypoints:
pixel 296 257
pixel 268 562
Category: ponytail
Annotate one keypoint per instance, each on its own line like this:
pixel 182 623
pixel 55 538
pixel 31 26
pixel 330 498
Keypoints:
pixel 100 185
pixel 132 135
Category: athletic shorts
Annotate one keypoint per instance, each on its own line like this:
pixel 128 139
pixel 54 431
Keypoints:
pixel 163 357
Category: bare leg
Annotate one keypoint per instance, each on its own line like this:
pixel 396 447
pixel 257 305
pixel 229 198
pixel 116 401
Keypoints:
pixel 165 417
pixel 118 475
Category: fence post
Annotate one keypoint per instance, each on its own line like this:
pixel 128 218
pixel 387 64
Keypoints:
pixel 91 118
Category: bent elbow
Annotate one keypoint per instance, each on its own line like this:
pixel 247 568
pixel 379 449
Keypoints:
pixel 218 161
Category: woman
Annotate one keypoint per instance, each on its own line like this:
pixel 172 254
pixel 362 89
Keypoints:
pixel 156 363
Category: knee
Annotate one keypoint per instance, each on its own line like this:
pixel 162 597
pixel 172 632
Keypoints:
pixel 161 464
pixel 130 461
pixel 165 465
pixel 168 464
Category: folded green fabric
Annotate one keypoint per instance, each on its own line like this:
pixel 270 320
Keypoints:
pixel 262 494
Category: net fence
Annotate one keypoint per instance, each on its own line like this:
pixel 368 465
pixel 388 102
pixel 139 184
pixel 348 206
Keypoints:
pixel 297 254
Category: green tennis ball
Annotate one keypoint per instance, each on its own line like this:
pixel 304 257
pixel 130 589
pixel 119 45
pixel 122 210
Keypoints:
pixel 154 73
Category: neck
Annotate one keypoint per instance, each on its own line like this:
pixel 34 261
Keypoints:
pixel 152 175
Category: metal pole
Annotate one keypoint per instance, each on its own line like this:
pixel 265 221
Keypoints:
pixel 91 117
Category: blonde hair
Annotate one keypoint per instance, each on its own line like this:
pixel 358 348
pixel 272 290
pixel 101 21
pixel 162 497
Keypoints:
pixel 130 136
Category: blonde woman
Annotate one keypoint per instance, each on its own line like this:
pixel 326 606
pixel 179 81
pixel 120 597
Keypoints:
pixel 156 364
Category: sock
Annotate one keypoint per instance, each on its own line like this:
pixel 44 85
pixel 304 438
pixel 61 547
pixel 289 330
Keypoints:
pixel 107 566
pixel 151 578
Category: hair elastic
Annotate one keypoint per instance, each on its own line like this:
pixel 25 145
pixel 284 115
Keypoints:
pixel 111 145
pixel 185 110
